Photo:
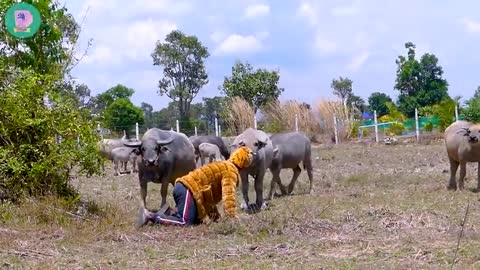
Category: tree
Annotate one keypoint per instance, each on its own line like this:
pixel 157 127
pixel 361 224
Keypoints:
pixel 51 50
pixel 420 83
pixel 477 93
pixel 342 88
pixel 122 115
pixel 356 104
pixel 377 102
pixel 39 107
pixel 101 101
pixel 257 87
pixel 147 114
pixel 182 59
pixel 214 107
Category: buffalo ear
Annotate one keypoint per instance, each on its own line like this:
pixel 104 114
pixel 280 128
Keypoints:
pixel 275 152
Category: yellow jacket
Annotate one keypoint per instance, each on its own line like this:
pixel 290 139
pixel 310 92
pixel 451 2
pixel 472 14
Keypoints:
pixel 215 182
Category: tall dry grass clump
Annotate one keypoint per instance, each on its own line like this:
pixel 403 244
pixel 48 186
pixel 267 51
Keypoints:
pixel 239 115
pixel 281 117
pixel 325 110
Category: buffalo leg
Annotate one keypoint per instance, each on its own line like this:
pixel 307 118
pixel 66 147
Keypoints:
pixel 143 194
pixel 115 167
pixel 163 192
pixel 309 169
pixel 296 173
pixel 259 189
pixel 244 179
pixel 463 172
pixel 453 171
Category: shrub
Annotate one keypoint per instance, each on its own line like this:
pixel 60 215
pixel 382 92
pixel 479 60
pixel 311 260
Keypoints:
pixel 281 117
pixel 396 129
pixel 33 116
pixel 428 126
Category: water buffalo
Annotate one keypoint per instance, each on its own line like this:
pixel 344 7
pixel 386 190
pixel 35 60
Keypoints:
pixel 197 140
pixel 210 151
pixel 262 146
pixel 165 156
pixel 105 147
pixel 462 140
pixel 123 155
pixel 292 148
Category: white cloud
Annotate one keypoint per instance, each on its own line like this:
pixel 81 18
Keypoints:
pixel 307 10
pixel 141 36
pixel 471 26
pixel 101 54
pixel 236 43
pixel 323 45
pixel 347 10
pixel 257 10
pixel 358 61
pixel 218 36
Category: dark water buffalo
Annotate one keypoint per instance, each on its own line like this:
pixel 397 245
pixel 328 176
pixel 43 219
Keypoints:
pixel 197 140
pixel 260 144
pixel 164 156
pixel 292 148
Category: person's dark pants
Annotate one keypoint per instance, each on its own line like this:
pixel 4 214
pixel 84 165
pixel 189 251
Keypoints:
pixel 186 209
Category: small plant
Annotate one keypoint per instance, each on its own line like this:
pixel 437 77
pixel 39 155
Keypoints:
pixel 428 126
pixel 396 128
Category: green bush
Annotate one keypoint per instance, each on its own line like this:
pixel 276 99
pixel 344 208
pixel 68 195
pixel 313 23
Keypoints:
pixel 396 128
pixel 428 126
pixel 472 112
pixel 33 114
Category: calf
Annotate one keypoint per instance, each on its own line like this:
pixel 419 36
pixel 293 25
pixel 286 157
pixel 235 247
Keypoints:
pixel 210 151
pixel 123 155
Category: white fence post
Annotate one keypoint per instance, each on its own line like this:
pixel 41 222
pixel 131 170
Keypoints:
pixel 417 130
pixel 335 129
pixel 296 122
pixel 216 126
pixel 100 130
pixel 456 112
pixel 196 134
pixel 255 122
pixel 178 126
pixel 376 125
pixel 137 131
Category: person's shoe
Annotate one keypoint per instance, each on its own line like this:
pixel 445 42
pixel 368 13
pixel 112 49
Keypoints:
pixel 142 217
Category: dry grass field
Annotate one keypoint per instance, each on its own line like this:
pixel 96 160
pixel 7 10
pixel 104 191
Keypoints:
pixel 373 207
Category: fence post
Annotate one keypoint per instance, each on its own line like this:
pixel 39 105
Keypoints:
pixel 417 131
pixel 456 112
pixel 196 131
pixel 376 125
pixel 178 126
pixel 137 131
pixel 296 122
pixel 219 130
pixel 255 122
pixel 216 126
pixel 335 130
pixel 100 130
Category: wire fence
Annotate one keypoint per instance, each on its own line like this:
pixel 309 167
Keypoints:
pixel 370 129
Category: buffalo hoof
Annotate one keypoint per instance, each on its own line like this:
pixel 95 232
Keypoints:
pixel 253 208
pixel 451 187
pixel 243 206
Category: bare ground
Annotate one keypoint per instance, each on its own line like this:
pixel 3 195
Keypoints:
pixel 373 207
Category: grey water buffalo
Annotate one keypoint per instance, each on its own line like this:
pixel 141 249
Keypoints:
pixel 292 149
pixel 197 140
pixel 164 156
pixel 462 140
pixel 210 151
pixel 105 147
pixel 123 155
pixel 262 146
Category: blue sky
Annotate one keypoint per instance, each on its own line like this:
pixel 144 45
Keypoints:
pixel 310 42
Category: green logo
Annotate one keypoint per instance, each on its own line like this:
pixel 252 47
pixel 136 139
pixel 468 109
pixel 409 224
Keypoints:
pixel 22 20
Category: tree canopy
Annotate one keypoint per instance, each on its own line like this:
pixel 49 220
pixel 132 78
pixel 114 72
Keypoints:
pixel 257 87
pixel 182 58
pixel 420 83
pixel 122 114
pixel 342 87
pixel 377 102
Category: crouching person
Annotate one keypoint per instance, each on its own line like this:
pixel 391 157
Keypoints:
pixel 197 194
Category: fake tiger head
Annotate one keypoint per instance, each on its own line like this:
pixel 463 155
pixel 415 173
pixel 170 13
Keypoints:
pixel 242 157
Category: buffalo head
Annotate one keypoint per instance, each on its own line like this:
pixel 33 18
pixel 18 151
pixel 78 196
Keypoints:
pixel 150 149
